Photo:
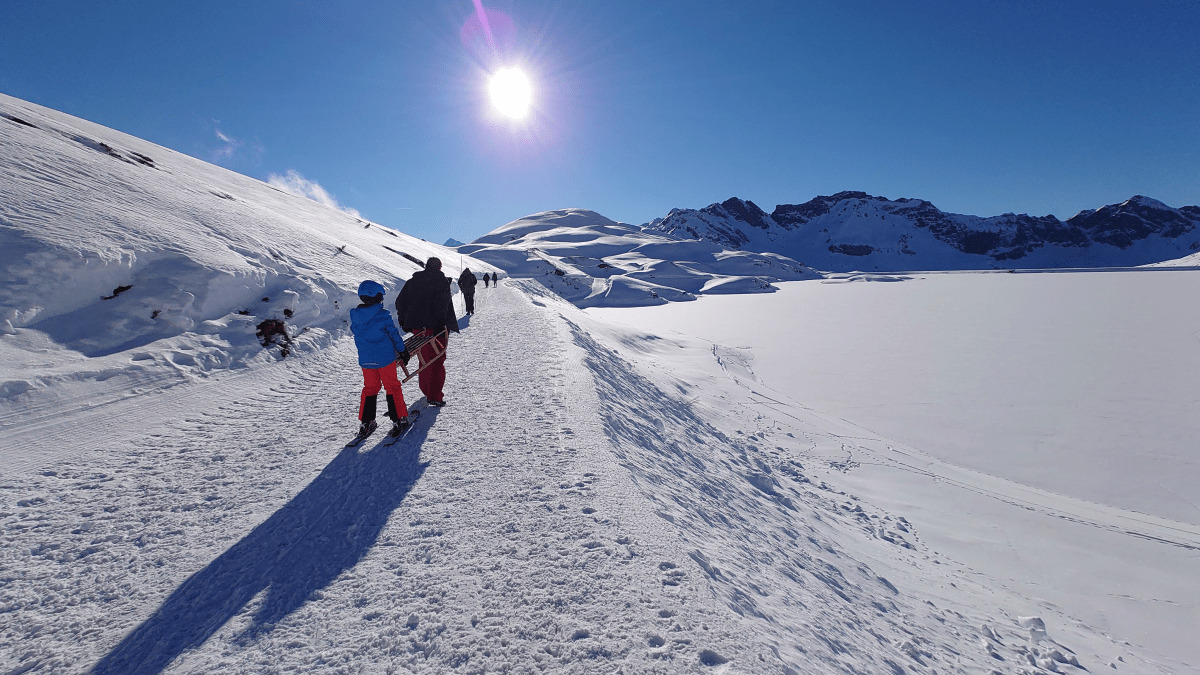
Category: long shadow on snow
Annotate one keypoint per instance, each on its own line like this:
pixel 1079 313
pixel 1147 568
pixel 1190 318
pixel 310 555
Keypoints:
pixel 325 530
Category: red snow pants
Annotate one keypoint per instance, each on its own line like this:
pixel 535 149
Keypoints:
pixel 373 380
pixel 433 378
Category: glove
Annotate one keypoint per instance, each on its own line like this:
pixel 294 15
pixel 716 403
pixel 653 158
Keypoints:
pixel 404 356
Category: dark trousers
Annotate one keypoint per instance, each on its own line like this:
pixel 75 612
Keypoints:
pixel 433 378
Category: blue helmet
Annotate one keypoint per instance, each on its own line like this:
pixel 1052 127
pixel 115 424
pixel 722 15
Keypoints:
pixel 370 289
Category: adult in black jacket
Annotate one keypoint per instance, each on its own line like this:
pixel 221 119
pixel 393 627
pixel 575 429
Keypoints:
pixel 425 308
pixel 466 284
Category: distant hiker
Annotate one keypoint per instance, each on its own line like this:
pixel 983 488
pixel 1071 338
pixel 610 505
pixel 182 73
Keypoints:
pixel 425 308
pixel 466 284
pixel 495 279
pixel 486 279
pixel 379 345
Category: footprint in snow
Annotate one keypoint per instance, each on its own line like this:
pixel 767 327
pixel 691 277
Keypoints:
pixel 710 658
pixel 671 574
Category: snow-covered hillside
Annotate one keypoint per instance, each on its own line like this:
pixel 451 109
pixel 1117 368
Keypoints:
pixel 593 261
pixel 855 231
pixel 131 264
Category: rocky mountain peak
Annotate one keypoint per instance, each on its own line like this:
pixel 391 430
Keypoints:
pixel 745 211
pixel 854 228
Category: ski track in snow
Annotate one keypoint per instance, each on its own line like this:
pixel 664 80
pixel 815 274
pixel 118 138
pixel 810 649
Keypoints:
pixel 568 511
pixel 151 399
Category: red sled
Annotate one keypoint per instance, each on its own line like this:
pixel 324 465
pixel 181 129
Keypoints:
pixel 413 346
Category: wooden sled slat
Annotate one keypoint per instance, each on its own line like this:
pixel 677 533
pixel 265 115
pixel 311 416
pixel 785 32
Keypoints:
pixel 413 345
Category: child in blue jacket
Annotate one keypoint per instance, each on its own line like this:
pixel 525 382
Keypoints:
pixel 379 345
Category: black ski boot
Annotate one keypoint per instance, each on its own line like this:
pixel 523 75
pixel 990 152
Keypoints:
pixel 399 426
pixel 364 429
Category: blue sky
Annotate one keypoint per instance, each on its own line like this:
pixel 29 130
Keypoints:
pixel 980 107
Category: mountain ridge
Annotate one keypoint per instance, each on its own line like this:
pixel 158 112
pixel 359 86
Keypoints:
pixel 856 230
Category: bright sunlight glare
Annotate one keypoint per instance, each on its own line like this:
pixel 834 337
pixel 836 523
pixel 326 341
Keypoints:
pixel 511 92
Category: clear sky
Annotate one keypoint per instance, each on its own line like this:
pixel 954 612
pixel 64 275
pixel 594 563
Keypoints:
pixel 982 107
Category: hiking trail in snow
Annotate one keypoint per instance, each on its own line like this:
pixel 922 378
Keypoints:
pixel 568 511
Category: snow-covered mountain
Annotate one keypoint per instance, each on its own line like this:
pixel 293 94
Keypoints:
pixel 593 261
pixel 856 231
pixel 929 476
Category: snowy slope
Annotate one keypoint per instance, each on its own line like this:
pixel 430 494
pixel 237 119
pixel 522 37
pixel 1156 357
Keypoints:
pixel 852 231
pixel 593 261
pixel 128 263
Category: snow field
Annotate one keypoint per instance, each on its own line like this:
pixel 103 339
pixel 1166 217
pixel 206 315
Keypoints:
pixel 782 549
pixel 594 498
pixel 918 398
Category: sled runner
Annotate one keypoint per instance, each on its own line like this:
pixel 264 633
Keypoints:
pixel 414 344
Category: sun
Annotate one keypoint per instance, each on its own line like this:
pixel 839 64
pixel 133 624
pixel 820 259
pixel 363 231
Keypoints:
pixel 511 92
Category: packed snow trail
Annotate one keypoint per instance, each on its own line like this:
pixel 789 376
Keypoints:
pixel 244 538
pixel 566 512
